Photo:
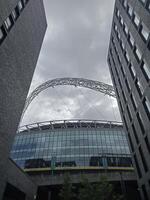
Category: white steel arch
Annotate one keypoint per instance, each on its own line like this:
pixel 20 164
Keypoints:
pixel 77 82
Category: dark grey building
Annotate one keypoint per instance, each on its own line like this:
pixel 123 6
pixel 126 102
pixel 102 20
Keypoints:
pixel 22 28
pixel 129 62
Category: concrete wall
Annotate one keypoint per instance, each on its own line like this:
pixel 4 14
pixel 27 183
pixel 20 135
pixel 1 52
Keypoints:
pixel 17 178
pixel 18 56
pixel 58 179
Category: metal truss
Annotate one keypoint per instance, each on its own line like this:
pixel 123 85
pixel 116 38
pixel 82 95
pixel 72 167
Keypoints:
pixel 77 82
pixel 74 124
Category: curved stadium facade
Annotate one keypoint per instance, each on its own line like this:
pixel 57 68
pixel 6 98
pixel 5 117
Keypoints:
pixel 72 145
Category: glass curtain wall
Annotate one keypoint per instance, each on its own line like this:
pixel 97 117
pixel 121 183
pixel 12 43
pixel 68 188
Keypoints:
pixel 72 147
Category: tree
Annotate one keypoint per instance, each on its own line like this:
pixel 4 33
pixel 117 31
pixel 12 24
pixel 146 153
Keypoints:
pixel 66 192
pixel 103 190
pixel 85 190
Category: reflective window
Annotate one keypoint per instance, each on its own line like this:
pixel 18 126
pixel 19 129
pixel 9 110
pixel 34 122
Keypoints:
pixel 133 101
pixel 1 34
pixel 130 10
pixel 143 1
pixel 72 147
pixel 139 87
pixel 140 122
pixel 144 31
pixel 131 40
pixel 146 104
pixel 138 54
pixel 125 3
pixel 20 5
pixel 132 70
pixel 136 19
pixel 146 70
pixel 127 57
pixel 121 20
pixel 117 13
pixel 126 29
pixel 8 23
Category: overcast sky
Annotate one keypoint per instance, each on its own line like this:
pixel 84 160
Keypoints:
pixel 75 45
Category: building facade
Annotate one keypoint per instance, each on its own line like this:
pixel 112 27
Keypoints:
pixel 22 28
pixel 48 150
pixel 72 144
pixel 129 63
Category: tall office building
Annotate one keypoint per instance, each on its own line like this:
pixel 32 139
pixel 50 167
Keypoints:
pixel 22 28
pixel 129 62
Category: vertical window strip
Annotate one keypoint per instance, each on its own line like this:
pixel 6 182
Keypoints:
pixel 146 104
pixel 143 159
pixel 147 144
pixel 140 122
pixel 137 167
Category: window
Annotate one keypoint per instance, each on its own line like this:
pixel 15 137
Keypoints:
pixel 130 10
pixel 133 101
pixel 131 144
pixel 137 167
pixel 125 3
pixel 2 33
pixel 118 35
pixel 128 85
pixel 122 69
pixel 138 54
pixel 15 13
pixel 117 13
pixel 143 1
pixel 132 70
pixel 139 87
pixel 144 31
pixel 25 2
pixel 127 57
pixel 140 122
pixel 125 122
pixel 148 6
pixel 115 27
pixel 146 104
pixel 135 134
pixel 146 70
pixel 8 23
pixel 125 99
pixel 122 109
pixel 143 159
pixel 147 144
pixel 136 19
pixel 121 20
pixel 20 5
pixel 129 113
pixel 131 40
pixel 126 29
pixel 122 45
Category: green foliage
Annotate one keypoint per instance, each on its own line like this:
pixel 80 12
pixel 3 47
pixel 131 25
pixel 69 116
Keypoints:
pixel 103 190
pixel 85 190
pixel 66 193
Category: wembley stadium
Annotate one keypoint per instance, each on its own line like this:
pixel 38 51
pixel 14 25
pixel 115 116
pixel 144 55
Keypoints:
pixel 73 144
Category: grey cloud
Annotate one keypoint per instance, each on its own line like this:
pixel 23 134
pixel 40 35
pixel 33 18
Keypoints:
pixel 75 45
